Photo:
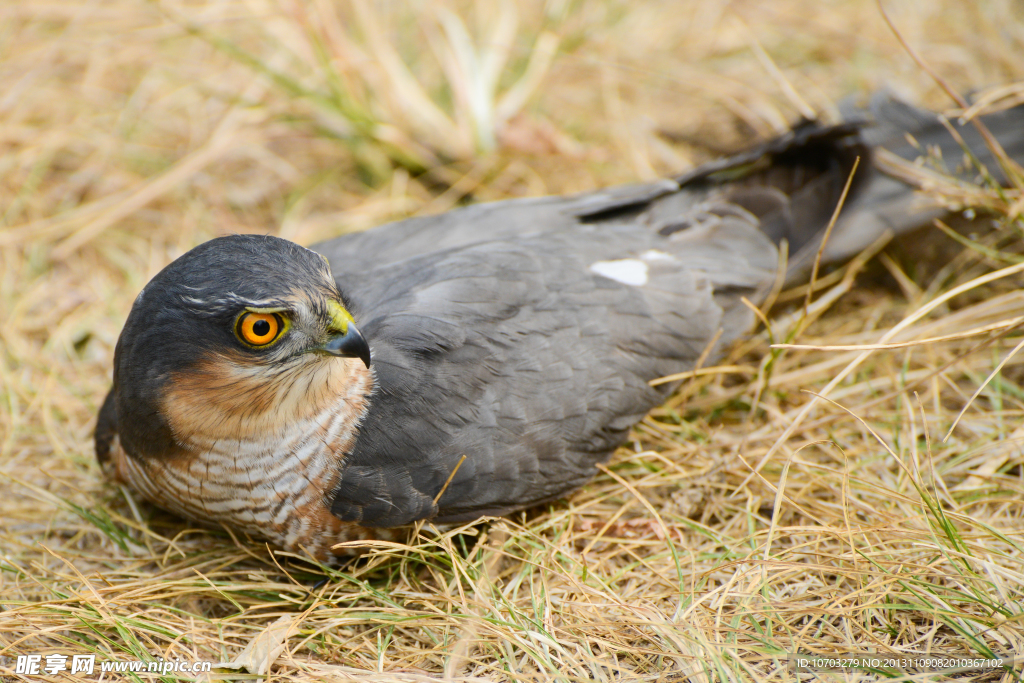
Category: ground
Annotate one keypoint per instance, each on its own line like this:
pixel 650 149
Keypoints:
pixel 816 500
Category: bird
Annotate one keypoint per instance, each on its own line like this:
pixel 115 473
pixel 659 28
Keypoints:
pixel 485 360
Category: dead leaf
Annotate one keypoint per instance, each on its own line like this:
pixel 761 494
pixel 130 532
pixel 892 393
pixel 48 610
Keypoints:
pixel 266 647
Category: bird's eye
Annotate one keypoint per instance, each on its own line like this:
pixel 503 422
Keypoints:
pixel 259 329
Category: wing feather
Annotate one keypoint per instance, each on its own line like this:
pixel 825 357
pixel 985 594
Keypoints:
pixel 518 355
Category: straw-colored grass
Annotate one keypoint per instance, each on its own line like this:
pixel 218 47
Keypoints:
pixel 808 502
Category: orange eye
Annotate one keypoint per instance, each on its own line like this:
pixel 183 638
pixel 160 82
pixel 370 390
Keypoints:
pixel 259 329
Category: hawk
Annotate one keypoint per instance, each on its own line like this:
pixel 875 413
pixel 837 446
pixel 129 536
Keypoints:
pixel 480 361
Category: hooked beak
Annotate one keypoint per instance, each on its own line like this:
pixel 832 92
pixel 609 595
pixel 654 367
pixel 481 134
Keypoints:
pixel 351 344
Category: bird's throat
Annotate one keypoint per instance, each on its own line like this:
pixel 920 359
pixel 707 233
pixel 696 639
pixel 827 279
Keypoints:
pixel 262 458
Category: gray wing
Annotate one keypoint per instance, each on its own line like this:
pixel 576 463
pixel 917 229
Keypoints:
pixel 495 336
pixel 522 356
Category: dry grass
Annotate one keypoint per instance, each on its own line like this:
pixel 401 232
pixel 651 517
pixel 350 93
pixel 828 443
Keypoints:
pixel 746 519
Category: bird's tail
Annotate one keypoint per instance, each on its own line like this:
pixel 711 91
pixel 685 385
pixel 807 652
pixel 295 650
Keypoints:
pixel 793 183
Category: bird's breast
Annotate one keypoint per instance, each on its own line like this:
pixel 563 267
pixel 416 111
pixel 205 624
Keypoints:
pixel 275 484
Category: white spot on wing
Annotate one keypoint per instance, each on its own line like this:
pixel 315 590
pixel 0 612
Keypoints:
pixel 652 255
pixel 628 271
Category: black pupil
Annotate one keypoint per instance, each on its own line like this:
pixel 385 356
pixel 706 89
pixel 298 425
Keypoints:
pixel 261 328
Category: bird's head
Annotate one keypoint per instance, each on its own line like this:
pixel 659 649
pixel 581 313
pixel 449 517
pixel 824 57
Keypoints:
pixel 236 339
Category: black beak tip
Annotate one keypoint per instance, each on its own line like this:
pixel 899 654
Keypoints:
pixel 352 344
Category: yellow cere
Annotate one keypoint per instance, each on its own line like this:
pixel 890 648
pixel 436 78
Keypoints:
pixel 340 317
